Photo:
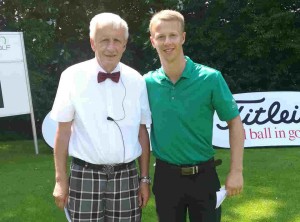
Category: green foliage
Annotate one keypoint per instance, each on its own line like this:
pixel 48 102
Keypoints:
pixel 53 33
pixel 254 43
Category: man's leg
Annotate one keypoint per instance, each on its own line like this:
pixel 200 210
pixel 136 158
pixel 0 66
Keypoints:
pixel 86 194
pixel 121 198
pixel 169 190
pixel 202 196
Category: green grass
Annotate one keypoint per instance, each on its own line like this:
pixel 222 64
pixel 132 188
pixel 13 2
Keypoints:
pixel 271 193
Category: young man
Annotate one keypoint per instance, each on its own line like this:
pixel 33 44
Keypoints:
pixel 102 109
pixel 183 97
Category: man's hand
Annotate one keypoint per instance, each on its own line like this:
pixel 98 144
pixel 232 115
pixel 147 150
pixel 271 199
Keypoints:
pixel 234 183
pixel 144 194
pixel 60 194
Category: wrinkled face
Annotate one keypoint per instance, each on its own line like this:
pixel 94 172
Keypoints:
pixel 167 38
pixel 109 44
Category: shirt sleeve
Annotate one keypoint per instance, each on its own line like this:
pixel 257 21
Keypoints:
pixel 222 99
pixel 145 109
pixel 63 109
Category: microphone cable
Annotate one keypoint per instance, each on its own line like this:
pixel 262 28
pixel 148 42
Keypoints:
pixel 124 115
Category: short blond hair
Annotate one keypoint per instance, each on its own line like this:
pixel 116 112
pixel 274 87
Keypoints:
pixel 167 15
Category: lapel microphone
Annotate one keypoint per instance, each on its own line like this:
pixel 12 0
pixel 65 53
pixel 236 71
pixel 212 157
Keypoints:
pixel 111 119
pixel 124 115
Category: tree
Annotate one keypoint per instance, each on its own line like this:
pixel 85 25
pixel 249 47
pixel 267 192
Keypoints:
pixel 255 44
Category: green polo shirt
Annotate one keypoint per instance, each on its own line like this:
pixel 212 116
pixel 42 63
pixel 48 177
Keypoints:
pixel 182 113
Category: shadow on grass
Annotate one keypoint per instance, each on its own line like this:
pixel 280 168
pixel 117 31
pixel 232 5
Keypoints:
pixel 271 186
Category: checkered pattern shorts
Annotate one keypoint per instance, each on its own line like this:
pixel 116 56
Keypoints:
pixel 95 196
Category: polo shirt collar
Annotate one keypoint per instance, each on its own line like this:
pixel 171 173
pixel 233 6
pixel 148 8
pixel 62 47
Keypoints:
pixel 161 75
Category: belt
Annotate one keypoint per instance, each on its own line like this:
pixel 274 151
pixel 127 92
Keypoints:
pixel 103 167
pixel 187 170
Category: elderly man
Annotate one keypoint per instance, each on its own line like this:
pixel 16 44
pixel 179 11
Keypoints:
pixel 102 109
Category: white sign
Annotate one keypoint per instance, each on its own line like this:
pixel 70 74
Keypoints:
pixel 14 90
pixel 1 98
pixel 269 119
pixel 11 47
pixel 15 97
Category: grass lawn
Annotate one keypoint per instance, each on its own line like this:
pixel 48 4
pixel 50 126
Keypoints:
pixel 271 193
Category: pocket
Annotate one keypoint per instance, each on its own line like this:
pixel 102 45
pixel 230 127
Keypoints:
pixel 214 186
pixel 154 181
pixel 132 113
pixel 75 180
pixel 213 177
pixel 134 180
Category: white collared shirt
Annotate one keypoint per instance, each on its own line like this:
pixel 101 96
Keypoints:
pixel 81 99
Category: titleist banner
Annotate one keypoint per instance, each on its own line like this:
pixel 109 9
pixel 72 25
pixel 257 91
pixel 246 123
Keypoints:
pixel 269 119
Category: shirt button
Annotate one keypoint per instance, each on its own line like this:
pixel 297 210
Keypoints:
pixel 173 97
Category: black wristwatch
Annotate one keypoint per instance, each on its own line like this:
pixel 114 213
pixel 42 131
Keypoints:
pixel 146 180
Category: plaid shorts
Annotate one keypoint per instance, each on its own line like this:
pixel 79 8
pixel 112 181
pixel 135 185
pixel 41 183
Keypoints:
pixel 95 196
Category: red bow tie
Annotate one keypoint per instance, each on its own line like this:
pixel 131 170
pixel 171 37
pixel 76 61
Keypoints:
pixel 102 76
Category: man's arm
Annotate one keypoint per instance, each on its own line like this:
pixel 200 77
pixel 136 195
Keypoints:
pixel 61 145
pixel 144 192
pixel 234 182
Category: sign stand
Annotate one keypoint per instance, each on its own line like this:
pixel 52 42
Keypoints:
pixel 30 99
pixel 14 75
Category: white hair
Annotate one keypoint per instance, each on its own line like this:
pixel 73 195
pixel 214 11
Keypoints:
pixel 108 19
